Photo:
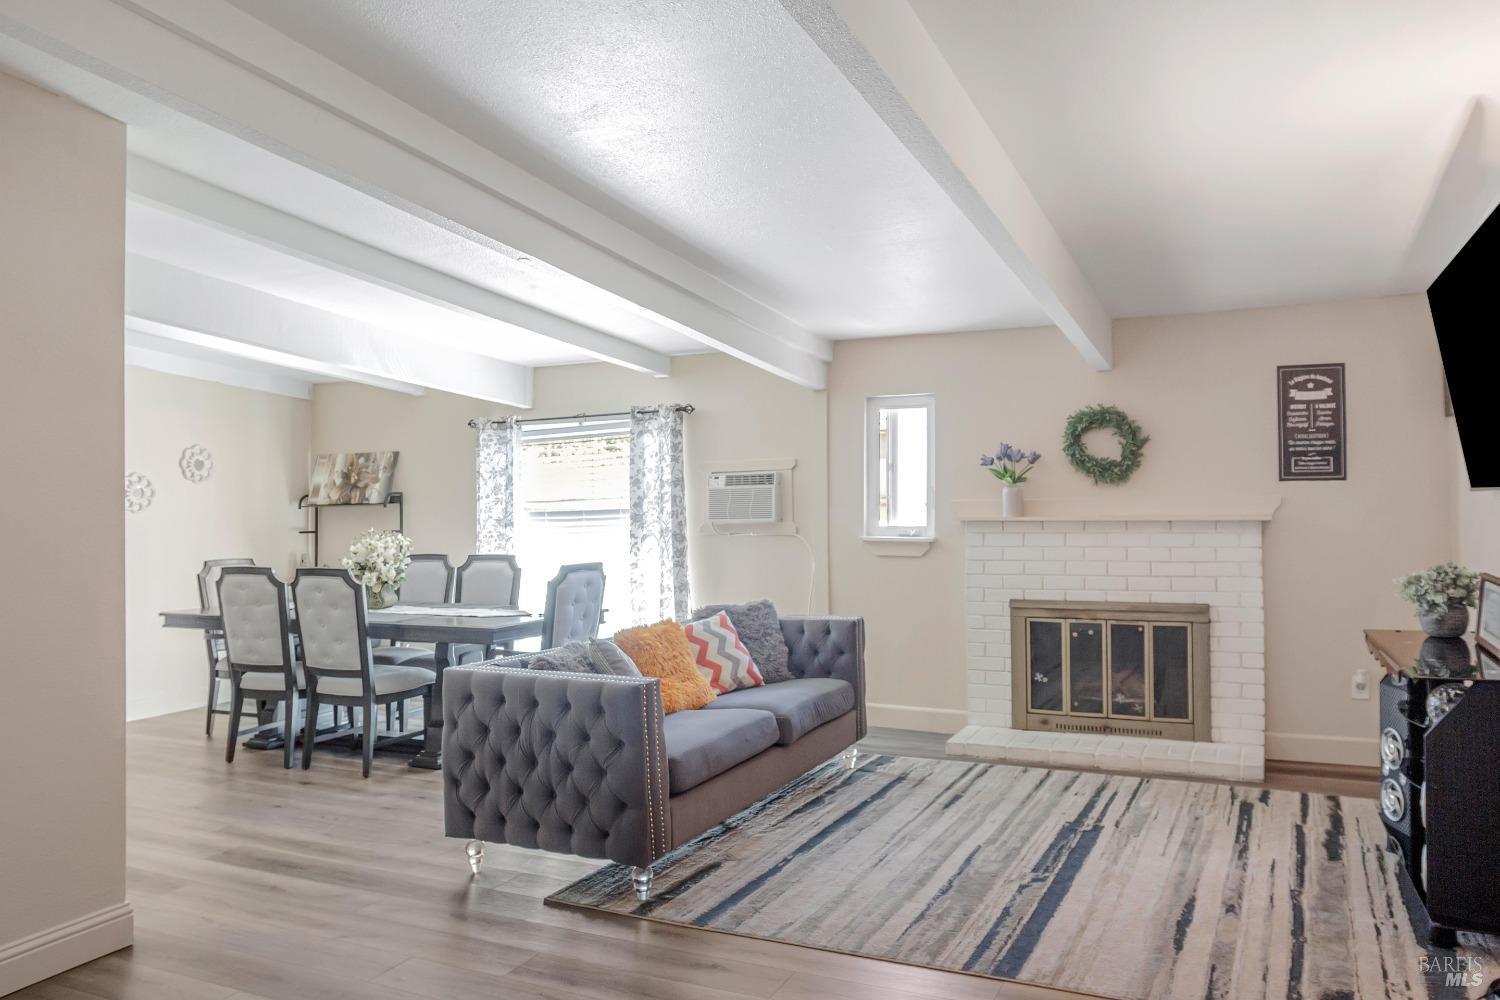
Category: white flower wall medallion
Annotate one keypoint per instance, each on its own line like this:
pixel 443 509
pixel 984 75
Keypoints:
pixel 138 492
pixel 196 463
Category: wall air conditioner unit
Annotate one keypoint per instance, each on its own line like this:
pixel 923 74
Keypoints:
pixel 744 498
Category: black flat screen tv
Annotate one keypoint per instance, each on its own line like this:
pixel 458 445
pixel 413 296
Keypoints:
pixel 1465 304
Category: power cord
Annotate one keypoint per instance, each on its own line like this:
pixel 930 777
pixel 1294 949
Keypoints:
pixel 812 558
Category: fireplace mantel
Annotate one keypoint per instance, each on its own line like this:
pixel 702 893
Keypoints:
pixel 1114 508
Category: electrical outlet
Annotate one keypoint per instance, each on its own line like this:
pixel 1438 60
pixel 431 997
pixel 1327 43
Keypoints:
pixel 1359 685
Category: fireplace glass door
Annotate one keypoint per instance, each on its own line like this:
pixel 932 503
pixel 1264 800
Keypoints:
pixel 1127 670
pixel 1045 642
pixel 1137 671
pixel 1171 676
pixel 1086 681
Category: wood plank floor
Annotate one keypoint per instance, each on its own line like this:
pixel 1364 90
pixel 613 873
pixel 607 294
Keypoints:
pixel 254 883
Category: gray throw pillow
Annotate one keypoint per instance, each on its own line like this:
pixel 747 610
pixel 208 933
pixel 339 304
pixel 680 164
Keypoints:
pixel 759 627
pixel 611 659
pixel 572 658
pixel 586 656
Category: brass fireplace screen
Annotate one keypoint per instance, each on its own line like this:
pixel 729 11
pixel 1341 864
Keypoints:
pixel 1110 667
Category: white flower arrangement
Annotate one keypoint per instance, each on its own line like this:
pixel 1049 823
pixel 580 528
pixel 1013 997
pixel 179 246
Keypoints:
pixel 378 559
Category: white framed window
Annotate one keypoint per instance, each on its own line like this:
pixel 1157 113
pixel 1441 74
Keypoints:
pixel 900 466
pixel 573 504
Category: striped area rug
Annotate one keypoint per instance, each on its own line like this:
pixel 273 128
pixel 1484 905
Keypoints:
pixel 1103 884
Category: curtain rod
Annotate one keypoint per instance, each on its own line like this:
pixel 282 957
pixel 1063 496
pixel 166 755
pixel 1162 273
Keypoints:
pixel 681 407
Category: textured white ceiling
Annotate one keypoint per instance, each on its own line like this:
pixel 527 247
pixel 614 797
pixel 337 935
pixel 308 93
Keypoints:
pixel 160 132
pixel 1208 155
pixel 718 129
pixel 1191 155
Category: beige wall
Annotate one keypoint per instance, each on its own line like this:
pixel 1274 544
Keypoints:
pixel 1203 387
pixel 62 825
pixel 259 443
pixel 743 415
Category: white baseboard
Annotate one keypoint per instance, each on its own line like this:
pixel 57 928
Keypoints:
pixel 163 703
pixel 60 948
pixel 927 720
pixel 1359 751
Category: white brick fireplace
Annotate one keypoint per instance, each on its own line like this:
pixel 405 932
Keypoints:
pixel 1200 552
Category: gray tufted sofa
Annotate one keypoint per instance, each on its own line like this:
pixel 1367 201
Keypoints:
pixel 587 764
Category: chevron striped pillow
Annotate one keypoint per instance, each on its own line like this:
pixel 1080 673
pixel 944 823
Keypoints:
pixel 720 656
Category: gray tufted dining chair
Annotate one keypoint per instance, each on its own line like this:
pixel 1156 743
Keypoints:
pixel 575 604
pixel 429 580
pixel 213 639
pixel 492 579
pixel 336 656
pixel 258 651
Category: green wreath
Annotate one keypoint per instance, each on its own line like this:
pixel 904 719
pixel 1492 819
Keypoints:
pixel 1104 470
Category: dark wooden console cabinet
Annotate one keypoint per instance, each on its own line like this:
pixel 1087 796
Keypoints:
pixel 1440 781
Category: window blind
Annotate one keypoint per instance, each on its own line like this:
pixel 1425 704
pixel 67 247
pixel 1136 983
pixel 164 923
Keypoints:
pixel 572 504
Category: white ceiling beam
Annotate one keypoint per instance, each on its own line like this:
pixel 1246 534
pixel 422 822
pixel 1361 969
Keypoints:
pixel 233 350
pixel 885 52
pixel 182 195
pixel 143 350
pixel 217 65
pixel 193 308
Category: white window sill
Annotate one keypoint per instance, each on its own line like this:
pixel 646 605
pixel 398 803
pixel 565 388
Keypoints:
pixel 904 546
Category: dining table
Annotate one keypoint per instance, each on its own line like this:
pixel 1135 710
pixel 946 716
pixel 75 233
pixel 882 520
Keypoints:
pixel 443 625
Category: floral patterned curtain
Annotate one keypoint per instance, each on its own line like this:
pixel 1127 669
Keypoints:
pixel 495 460
pixel 658 516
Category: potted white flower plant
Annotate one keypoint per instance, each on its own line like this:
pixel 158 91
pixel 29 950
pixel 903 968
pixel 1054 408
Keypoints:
pixel 378 560
pixel 1443 596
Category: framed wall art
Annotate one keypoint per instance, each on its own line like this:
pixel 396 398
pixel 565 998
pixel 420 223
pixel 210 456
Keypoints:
pixel 1311 422
pixel 1487 627
pixel 352 477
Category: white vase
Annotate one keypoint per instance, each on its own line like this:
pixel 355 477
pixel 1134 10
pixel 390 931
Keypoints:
pixel 1012 503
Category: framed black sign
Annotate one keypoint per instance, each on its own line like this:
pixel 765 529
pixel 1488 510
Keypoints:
pixel 1310 406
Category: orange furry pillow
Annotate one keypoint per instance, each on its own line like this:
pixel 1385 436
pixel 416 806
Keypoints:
pixel 663 651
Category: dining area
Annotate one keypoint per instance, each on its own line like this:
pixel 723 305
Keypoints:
pixel 351 659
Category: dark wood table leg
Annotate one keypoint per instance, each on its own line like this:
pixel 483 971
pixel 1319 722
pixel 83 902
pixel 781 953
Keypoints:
pixel 431 756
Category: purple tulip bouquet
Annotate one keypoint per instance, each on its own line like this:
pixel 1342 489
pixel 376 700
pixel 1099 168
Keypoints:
pixel 1010 465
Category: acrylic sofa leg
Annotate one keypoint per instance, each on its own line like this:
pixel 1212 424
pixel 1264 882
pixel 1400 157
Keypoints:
pixel 641 879
pixel 475 851
pixel 850 758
